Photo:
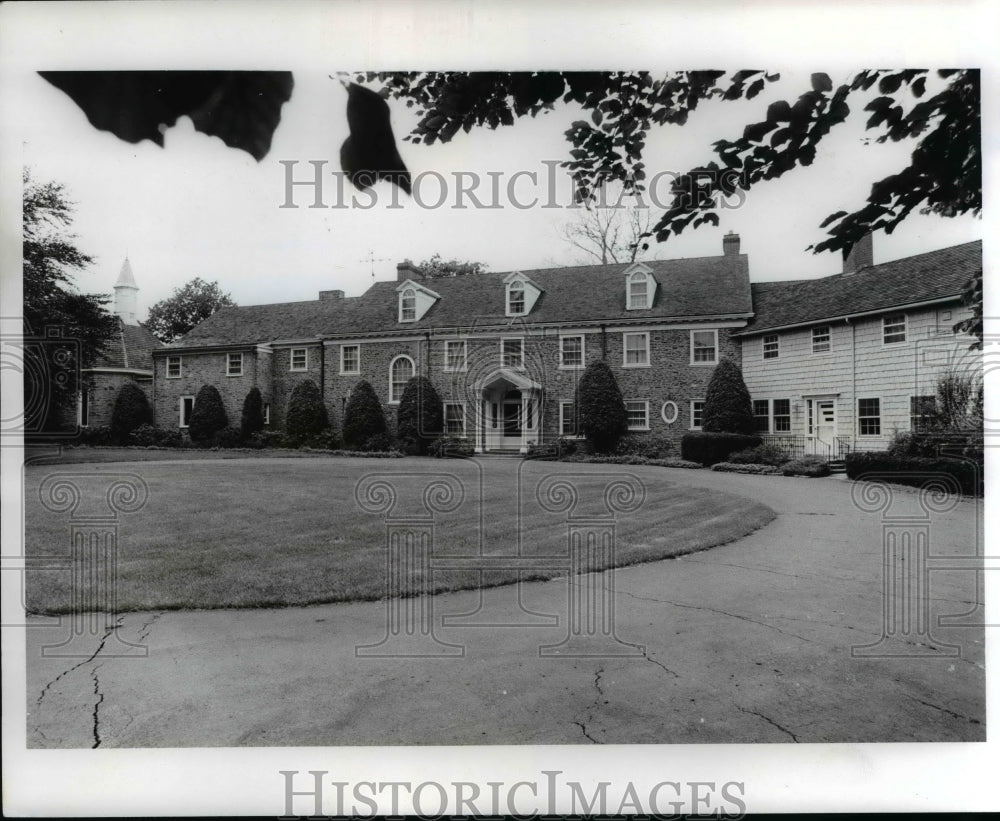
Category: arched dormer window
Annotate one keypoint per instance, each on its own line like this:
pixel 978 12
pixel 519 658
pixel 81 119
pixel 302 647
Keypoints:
pixel 640 286
pixel 408 305
pixel 522 294
pixel 401 371
pixel 515 298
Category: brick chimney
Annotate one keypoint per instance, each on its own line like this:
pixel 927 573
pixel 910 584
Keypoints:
pixel 860 256
pixel 407 270
pixel 731 244
pixel 334 294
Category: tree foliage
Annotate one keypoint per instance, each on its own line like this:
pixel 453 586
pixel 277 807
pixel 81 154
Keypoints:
pixel 306 415
pixel 420 417
pixel 51 258
pixel 131 410
pixel 363 416
pixel 208 416
pixel 189 305
pixel 601 413
pixel 437 268
pixel 727 401
pixel 252 417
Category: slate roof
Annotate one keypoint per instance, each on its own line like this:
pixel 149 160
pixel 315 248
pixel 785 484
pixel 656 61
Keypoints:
pixel 700 287
pixel 921 278
pixel 132 347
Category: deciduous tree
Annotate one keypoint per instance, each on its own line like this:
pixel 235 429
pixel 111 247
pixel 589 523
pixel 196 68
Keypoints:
pixel 189 305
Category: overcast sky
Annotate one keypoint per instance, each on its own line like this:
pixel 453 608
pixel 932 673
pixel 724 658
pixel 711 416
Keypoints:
pixel 199 209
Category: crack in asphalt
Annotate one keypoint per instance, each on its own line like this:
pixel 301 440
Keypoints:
pixel 770 721
pixel 590 711
pixel 97 707
pixel 945 710
pixel 583 729
pixel 688 560
pixel 147 627
pixel 64 673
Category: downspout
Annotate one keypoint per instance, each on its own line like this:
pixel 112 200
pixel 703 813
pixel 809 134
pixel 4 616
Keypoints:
pixel 854 381
pixel 427 355
pixel 322 370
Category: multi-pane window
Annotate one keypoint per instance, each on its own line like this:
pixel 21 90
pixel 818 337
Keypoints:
pixel 638 414
pixel 697 410
pixel 173 367
pixel 408 305
pixel 571 352
pixel 454 418
pixel 515 299
pixel 771 346
pixel 894 328
pixel 400 372
pixel 781 415
pixel 567 419
pixel 350 359
pixel 762 415
pixel 638 291
pixel 454 355
pixel 636 350
pixel 186 406
pixel 869 417
pixel 704 347
pixel 234 364
pixel 512 353
pixel 300 359
pixel 821 339
pixel 922 412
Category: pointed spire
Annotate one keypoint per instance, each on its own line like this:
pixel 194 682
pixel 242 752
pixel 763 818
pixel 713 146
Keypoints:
pixel 125 295
pixel 125 278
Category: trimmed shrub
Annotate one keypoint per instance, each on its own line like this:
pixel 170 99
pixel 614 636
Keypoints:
pixel 363 416
pixel 252 418
pixel 743 467
pixel 208 416
pixel 709 448
pixel 812 466
pixel 144 436
pixel 169 439
pixel 602 416
pixel 131 411
pixel 420 419
pixel 760 455
pixel 306 414
pixel 727 401
pixel 379 443
pixel 450 446
pixel 228 437
pixel 916 470
pixel 324 440
pixel 934 444
pixel 652 447
pixel 96 437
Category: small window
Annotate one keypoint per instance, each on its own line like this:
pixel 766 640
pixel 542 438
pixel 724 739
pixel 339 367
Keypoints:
pixel 571 352
pixel 638 414
pixel 400 372
pixel 771 346
pixel 267 413
pixel 638 291
pixel 173 367
pixel 186 406
pixel 669 411
pixel 567 419
pixel 300 359
pixel 350 359
pixel 869 417
pixel 894 329
pixel 512 353
pixel 234 364
pixel 454 418
pixel 697 409
pixel 515 299
pixel 821 339
pixel 704 347
pixel 455 355
pixel 84 406
pixel 781 416
pixel 408 306
pixel 923 410
pixel 762 415
pixel 636 350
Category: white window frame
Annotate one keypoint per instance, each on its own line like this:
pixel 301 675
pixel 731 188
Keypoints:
pixel 519 285
pixel 634 278
pixel 503 355
pixel 291 359
pixel 180 367
pixel 774 414
pixel 343 370
pixel 448 343
pixel 704 362
pixel 563 403
pixel 645 411
pixel 625 362
pixel 180 411
pixel 562 352
pixel 229 363
pixel 83 406
pixel 885 324
pixel 392 381
pixel 770 339
pixel 451 404
pixel 756 416
pixel 879 416
pixel 829 339
pixel 672 416
pixel 267 413
pixel 702 412
pixel 408 294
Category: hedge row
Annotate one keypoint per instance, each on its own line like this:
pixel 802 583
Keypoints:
pixel 709 448
pixel 916 471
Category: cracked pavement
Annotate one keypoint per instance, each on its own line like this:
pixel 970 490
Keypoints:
pixel 746 642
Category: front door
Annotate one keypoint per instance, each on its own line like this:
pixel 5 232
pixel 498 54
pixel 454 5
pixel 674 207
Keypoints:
pixel 511 423
pixel 824 425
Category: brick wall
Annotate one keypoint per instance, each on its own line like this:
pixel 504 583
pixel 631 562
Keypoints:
pixel 198 369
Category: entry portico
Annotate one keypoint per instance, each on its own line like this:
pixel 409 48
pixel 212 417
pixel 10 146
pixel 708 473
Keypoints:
pixel 509 412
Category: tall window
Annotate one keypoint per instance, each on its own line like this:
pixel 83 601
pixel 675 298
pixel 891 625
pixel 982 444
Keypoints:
pixel 173 367
pixel 697 410
pixel 234 364
pixel 186 406
pixel 267 413
pixel 567 419
pixel 922 412
pixel 300 359
pixel 454 418
pixel 84 406
pixel 636 350
pixel 638 414
pixel 455 355
pixel 350 359
pixel 638 291
pixel 408 305
pixel 512 353
pixel 571 351
pixel 400 372
pixel 869 417
pixel 782 415
pixel 771 346
pixel 515 298
pixel 762 415
pixel 821 339
pixel 704 347
pixel 894 328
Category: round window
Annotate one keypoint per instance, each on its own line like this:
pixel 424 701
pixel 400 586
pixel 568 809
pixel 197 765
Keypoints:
pixel 669 412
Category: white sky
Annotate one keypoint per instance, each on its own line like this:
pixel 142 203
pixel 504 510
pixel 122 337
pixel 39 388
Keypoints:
pixel 198 208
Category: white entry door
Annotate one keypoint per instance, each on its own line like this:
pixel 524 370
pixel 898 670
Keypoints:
pixel 824 426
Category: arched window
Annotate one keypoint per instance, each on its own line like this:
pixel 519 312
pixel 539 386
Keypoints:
pixel 638 291
pixel 408 305
pixel 400 372
pixel 515 298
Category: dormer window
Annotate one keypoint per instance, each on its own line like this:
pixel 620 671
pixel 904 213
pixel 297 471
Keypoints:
pixel 522 294
pixel 408 306
pixel 515 299
pixel 640 287
pixel 415 300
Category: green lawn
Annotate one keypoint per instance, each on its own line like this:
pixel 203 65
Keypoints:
pixel 277 532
